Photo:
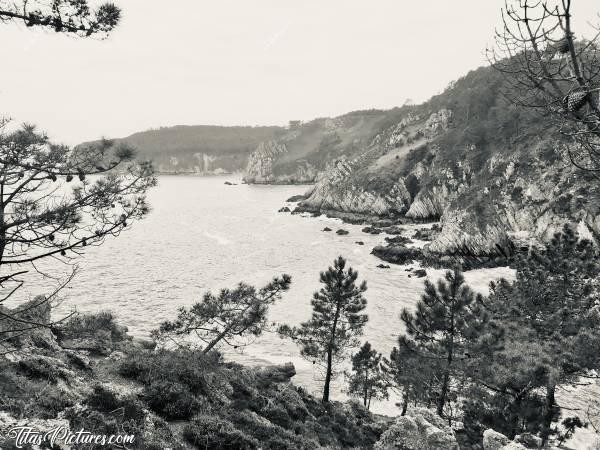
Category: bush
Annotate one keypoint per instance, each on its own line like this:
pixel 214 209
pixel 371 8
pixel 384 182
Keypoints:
pixel 106 401
pixel 40 368
pixel 215 432
pixel 171 400
pixel 190 369
pixel 88 325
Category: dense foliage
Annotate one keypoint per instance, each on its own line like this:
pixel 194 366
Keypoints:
pixel 336 320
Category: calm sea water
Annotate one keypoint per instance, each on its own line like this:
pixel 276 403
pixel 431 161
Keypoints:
pixel 204 235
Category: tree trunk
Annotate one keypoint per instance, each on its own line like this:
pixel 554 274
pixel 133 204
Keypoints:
pixel 548 413
pixel 366 387
pixel 404 402
pixel 216 340
pixel 327 376
pixel 330 355
pixel 442 398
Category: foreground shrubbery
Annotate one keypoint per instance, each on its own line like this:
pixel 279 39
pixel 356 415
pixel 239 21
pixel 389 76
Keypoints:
pixel 230 406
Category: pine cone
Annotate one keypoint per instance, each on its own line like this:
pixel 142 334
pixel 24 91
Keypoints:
pixel 574 101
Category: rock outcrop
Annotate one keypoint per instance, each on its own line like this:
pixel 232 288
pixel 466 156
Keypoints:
pixel 421 429
pixel 491 173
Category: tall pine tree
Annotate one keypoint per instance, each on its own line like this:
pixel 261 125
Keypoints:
pixel 437 331
pixel 336 320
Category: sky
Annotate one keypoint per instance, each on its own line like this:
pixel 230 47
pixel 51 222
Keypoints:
pixel 258 62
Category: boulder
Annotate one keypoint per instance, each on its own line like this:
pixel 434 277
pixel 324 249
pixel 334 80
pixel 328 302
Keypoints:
pixel 279 374
pixel 371 230
pixel 342 232
pixel 383 266
pixel 492 440
pixel 326 229
pixel 403 434
pixel 284 209
pixel 360 243
pixel 36 311
pixel 100 343
pixel 421 429
pixel 420 273
pixel 529 440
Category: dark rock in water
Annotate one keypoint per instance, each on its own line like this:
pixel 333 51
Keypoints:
pixel 326 229
pixel 279 374
pixel 393 230
pixel 397 253
pixel 302 209
pixel 342 232
pixel 284 209
pixel 371 230
pixel 296 198
pixel 360 243
pixel 420 273
pixel 383 266
pixel 398 240
pixel 383 223
pixel 229 183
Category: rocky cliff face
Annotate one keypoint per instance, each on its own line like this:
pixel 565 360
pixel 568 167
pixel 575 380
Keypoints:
pixel 306 150
pixel 519 196
pixel 491 173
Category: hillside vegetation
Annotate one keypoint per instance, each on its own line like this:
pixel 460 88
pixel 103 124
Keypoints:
pixel 491 172
pixel 203 149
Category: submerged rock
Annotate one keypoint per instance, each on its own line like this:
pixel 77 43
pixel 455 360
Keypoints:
pixel 360 243
pixel 342 232
pixel 284 209
pixel 383 266
pixel 371 230
pixel 326 229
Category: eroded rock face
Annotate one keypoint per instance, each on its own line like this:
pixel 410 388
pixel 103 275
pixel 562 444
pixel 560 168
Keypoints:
pixel 421 429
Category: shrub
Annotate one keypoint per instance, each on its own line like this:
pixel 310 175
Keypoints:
pixel 171 400
pixel 215 432
pixel 189 368
pixel 88 325
pixel 40 368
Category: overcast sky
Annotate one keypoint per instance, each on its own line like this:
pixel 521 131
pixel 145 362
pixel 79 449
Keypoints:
pixel 242 62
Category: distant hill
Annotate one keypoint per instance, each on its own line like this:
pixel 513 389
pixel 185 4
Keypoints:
pixel 206 149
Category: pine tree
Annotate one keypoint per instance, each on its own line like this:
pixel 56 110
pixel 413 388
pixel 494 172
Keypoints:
pixel 336 320
pixel 411 376
pixel 438 329
pixel 229 317
pixel 366 380
pixel 554 305
pixel 74 17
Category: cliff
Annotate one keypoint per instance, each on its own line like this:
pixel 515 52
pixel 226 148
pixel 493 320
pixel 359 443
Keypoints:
pixel 491 173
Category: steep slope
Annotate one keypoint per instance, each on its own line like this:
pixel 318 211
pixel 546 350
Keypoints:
pixel 490 172
pixel 305 150
pixel 202 149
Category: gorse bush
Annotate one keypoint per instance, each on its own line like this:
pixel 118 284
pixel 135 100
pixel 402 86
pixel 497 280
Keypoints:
pixel 88 325
pixel 215 432
pixel 171 400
